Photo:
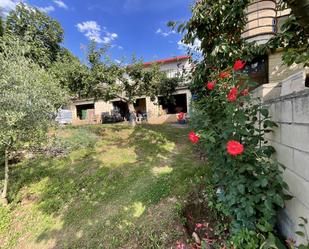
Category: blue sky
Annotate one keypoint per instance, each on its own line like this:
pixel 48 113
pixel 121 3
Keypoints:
pixel 129 26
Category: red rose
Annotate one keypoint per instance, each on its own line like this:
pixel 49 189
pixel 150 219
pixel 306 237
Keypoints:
pixel 234 148
pixel 232 95
pixel 211 85
pixel 239 64
pixel 234 90
pixel 194 138
pixel 224 75
pixel 245 92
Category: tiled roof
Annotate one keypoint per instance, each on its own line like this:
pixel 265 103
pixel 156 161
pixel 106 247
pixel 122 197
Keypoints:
pixel 168 60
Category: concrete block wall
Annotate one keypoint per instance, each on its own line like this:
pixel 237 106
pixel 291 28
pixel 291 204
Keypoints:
pixel 288 103
pixel 102 106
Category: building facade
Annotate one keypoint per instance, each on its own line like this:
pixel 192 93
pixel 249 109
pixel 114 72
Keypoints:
pixel 284 90
pixel 90 111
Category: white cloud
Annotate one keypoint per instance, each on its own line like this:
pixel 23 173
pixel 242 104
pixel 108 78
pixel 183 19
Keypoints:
pixel 165 34
pixel 60 4
pixel 46 9
pixel 195 46
pixel 118 61
pixel 7 5
pixel 92 30
pixel 120 47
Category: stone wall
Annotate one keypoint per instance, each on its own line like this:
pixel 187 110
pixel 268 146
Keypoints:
pixel 277 71
pixel 288 103
pixel 154 111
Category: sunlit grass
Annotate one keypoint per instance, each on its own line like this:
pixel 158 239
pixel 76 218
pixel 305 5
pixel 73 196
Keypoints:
pixel 117 188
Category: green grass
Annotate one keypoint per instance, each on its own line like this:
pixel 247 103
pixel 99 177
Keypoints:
pixel 117 188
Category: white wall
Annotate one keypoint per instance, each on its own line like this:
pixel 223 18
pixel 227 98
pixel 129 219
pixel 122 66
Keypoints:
pixel 288 103
pixel 176 66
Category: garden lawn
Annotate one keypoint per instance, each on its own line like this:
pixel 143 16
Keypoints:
pixel 118 187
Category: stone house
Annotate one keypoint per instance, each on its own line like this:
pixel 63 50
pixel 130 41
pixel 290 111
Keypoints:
pixel 90 111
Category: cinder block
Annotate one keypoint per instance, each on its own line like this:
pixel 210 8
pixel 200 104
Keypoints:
pixel 301 110
pixel 296 136
pixel 286 112
pixel 297 186
pixel 289 219
pixel 275 135
pixel 284 155
pixel 301 164
pixel 274 111
pixel 294 83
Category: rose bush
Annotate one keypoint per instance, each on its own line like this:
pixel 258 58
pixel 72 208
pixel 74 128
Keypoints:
pixel 229 127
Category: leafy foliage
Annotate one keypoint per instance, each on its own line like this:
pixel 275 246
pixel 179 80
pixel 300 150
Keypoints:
pixel 250 187
pixel 1 27
pixel 108 80
pixel 301 233
pixel 71 73
pixel 39 31
pixel 30 98
pixel 294 39
pixel 218 26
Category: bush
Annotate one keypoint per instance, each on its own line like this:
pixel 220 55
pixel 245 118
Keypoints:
pixel 231 127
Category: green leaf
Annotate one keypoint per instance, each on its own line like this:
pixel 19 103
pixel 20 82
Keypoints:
pixel 241 188
pixel 263 182
pixel 303 247
pixel 269 123
pixel 305 220
pixel 211 139
pixel 268 205
pixel 278 200
pixel 264 112
pixel 300 233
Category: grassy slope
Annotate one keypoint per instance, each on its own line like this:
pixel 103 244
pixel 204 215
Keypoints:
pixel 118 188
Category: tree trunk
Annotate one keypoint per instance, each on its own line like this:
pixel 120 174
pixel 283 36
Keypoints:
pixel 3 198
pixel 132 116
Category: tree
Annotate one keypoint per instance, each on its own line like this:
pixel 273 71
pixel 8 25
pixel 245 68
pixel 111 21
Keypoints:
pixel 110 81
pixel 218 25
pixel 29 100
pixel 300 9
pixel 294 38
pixel 102 70
pixel 1 26
pixel 71 73
pixel 41 32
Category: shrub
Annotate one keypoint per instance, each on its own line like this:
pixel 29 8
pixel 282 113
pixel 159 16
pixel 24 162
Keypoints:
pixel 231 127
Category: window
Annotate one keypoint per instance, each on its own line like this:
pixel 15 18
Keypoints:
pixel 82 111
pixel 170 73
pixel 258 70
